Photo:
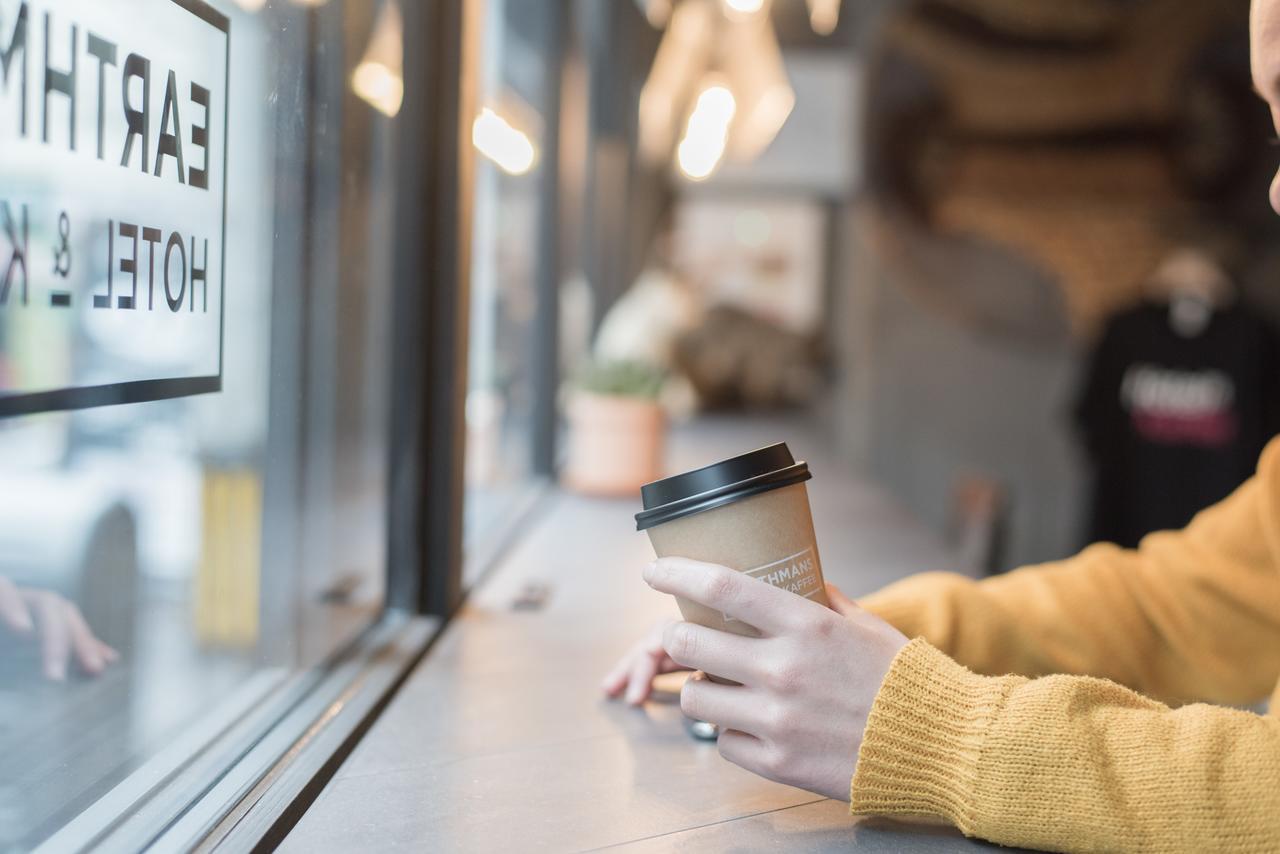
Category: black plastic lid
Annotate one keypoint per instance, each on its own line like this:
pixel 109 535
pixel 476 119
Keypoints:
pixel 719 484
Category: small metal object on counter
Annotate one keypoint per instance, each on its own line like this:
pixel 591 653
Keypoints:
pixel 702 730
pixel 532 597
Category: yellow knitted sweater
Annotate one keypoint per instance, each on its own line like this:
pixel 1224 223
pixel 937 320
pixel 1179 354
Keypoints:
pixel 1069 751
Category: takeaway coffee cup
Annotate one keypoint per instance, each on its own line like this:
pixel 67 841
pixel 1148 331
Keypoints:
pixel 750 513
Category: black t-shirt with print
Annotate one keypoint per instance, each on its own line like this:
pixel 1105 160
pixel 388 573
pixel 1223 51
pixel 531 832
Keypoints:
pixel 1174 423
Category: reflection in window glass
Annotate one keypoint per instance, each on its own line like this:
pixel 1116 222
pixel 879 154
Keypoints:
pixel 200 518
pixel 507 134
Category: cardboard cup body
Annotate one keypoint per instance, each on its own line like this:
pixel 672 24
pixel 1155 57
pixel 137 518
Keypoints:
pixel 768 536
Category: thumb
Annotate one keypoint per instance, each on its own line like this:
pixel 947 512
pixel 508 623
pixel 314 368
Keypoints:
pixel 840 603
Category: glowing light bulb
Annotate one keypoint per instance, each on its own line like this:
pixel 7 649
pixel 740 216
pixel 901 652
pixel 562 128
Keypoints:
pixel 716 106
pixel 495 138
pixel 379 86
pixel 706 133
pixel 379 78
pixel 824 15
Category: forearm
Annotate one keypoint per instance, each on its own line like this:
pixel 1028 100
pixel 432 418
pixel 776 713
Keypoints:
pixel 1058 618
pixel 1066 762
pixel 1173 620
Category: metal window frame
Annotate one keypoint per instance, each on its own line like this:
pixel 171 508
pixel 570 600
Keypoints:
pixel 433 264
pixel 548 264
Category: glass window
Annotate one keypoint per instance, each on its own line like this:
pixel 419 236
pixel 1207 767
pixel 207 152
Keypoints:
pixel 508 134
pixel 195 306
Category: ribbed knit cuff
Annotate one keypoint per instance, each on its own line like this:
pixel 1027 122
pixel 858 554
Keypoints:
pixel 921 750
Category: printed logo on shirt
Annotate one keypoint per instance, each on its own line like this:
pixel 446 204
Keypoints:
pixel 797 573
pixel 1176 407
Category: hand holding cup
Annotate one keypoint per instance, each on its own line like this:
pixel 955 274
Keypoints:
pixel 806 682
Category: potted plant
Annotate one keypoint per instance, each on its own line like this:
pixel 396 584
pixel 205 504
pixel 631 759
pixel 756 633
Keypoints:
pixel 616 428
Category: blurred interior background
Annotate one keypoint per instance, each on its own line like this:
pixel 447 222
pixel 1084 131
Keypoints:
pixel 912 221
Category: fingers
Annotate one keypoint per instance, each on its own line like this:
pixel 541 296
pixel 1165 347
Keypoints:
pixel 13 611
pixel 616 679
pixel 88 649
pixel 770 609
pixel 840 603
pixel 63 630
pixel 644 660
pixel 745 751
pixel 55 635
pixel 699 648
pixel 640 679
pixel 731 706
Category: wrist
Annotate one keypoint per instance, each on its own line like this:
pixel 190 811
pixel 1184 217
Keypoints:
pixel 920 752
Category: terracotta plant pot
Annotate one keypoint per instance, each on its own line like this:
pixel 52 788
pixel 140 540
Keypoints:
pixel 615 444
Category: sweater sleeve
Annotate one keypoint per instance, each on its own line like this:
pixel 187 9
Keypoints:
pixel 1190 615
pixel 1065 762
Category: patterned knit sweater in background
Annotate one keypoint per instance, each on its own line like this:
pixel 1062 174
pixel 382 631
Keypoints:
pixel 1126 758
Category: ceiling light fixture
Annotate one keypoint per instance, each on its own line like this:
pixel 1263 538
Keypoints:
pixel 706 133
pixel 379 78
pixel 495 138
pixel 824 15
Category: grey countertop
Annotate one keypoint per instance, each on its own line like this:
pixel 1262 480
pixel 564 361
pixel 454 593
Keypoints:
pixel 500 741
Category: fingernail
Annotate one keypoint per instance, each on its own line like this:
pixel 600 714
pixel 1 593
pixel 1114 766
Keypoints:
pixel 650 570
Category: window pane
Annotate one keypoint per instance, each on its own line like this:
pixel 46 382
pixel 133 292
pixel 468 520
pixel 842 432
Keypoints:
pixel 193 374
pixel 508 136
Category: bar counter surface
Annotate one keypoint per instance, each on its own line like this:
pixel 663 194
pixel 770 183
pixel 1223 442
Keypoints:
pixel 501 741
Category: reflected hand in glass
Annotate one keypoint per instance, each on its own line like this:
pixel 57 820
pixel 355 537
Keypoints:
pixel 61 627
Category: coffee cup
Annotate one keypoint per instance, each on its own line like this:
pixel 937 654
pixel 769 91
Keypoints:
pixel 749 513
